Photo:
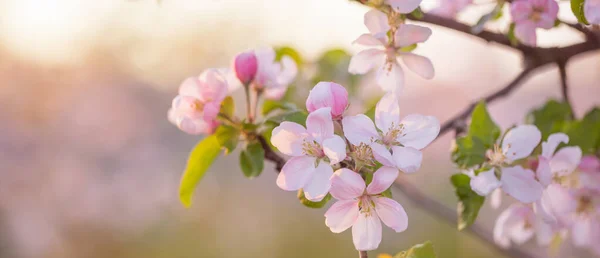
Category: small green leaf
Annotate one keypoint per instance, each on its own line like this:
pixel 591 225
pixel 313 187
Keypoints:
pixel 551 117
pixel 201 157
pixel 288 51
pixel 409 48
pixel 511 35
pixel 311 204
pixel 252 160
pixel 417 13
pixel 483 127
pixel 228 106
pixel 424 250
pixel 228 137
pixel 585 133
pixel 577 9
pixel 495 14
pixel 470 151
pixel 482 134
pixel 271 105
pixel 469 202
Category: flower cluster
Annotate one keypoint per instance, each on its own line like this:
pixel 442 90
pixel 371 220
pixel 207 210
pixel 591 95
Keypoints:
pixel 341 164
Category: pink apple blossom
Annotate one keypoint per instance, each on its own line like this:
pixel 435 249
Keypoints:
pixel 196 107
pixel 386 56
pixel 450 8
pixel 591 10
pixel 529 15
pixel 328 94
pixel 555 165
pixel 404 6
pixel 403 137
pixel 589 173
pixel 245 66
pixel 273 77
pixel 515 224
pixel 363 208
pixel 313 151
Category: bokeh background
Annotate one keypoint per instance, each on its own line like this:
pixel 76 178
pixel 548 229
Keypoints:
pixel 90 166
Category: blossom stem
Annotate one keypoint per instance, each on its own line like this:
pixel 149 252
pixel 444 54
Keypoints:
pixel 363 254
pixel 248 103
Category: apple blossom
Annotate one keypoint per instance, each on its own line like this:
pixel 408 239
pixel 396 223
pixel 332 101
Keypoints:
pixel 245 66
pixel 273 77
pixel 196 107
pixel 313 151
pixel 450 8
pixel 515 224
pixel 591 10
pixel 328 94
pixel 363 207
pixel 529 15
pixel 404 6
pixel 589 173
pixel 555 165
pixel 404 137
pixel 386 53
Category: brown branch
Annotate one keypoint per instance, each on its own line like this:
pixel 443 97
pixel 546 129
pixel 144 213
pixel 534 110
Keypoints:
pixel 564 85
pixel 363 254
pixel 271 155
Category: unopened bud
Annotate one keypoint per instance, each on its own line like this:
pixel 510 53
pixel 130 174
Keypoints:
pixel 245 66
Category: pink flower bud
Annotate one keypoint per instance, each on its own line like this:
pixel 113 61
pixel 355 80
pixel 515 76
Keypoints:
pixel 590 163
pixel 328 94
pixel 245 66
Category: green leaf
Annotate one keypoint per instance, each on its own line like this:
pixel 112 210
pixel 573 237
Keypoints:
pixel 228 137
pixel 228 106
pixel 288 51
pixel 483 127
pixel 511 35
pixel 424 250
pixel 495 14
pixel 482 134
pixel 577 9
pixel 252 160
pixel 470 151
pixel 469 201
pixel 417 13
pixel 201 157
pixel 311 204
pixel 551 117
pixel 585 133
pixel 409 48
pixel 271 105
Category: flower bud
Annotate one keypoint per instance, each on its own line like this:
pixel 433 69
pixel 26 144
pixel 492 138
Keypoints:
pixel 328 94
pixel 245 66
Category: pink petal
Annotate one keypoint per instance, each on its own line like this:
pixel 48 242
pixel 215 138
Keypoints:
pixel 557 202
pixel 366 232
pixel 288 138
pixel 365 60
pixel 407 159
pixel 359 129
pixel 288 73
pixel 368 40
pixel 190 87
pixel 566 160
pixel 581 231
pixel 245 66
pixel 485 182
pixel 318 186
pixel 404 6
pixel 391 213
pixel 341 215
pixel 213 86
pixel 419 64
pixel 520 183
pixel 319 124
pixel 390 77
pixel 419 131
pixel 275 93
pixel 346 184
pixel 296 173
pixel 376 22
pixel 544 232
pixel 383 178
pixel 548 17
pixel 520 141
pixel 520 10
pixel 543 172
pixel 335 149
pixel 550 145
pixel 328 94
pixel 510 225
pixel 591 10
pixel 408 34
pixel 496 198
pixel 590 163
pixel 525 33
pixel 387 112
pixel 382 154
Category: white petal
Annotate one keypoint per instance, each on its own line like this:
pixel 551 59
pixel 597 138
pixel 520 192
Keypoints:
pixel 391 213
pixel 366 232
pixel 543 172
pixel 419 64
pixel 320 183
pixel 296 173
pixel 382 154
pixel 390 77
pixel 485 182
pixel 520 141
pixel 407 159
pixel 565 161
pixel 319 124
pixel 549 146
pixel 387 112
pixel 288 72
pixel 341 215
pixel 404 6
pixel 383 178
pixel 365 60
pixel 408 34
pixel 368 40
pixel 346 184
pixel 510 225
pixel 335 149
pixel 582 232
pixel 496 198
pixel 544 232
pixel 288 138
pixel 359 129
pixel 419 131
pixel 376 21
pixel 520 183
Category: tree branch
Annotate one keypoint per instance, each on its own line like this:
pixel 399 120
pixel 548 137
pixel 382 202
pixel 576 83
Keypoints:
pixel 564 86
pixel 363 254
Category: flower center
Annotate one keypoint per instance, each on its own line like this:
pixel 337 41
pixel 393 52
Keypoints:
pixel 196 105
pixel 366 205
pixel 496 157
pixel 363 155
pixel 536 14
pixel 390 138
pixel 585 204
pixel 312 148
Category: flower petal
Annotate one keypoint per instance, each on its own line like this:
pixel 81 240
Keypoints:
pixel 368 40
pixel 341 215
pixel 335 149
pixel 581 231
pixel 565 161
pixel 288 73
pixel 387 112
pixel 320 183
pixel 288 138
pixel 390 77
pixel 319 124
pixel 377 22
pixel 407 159
pixel 591 10
pixel 408 34
pixel 404 6
pixel 485 182
pixel 419 64
pixel 346 184
pixel 550 145
pixel 328 94
pixel 359 129
pixel 520 183
pixel 382 154
pixel 510 225
pixel 296 173
pixel 419 131
pixel 543 172
pixel 365 60
pixel 383 178
pixel 366 232
pixel 520 141
pixel 525 33
pixel 391 213
pixel 213 86
pixel 496 198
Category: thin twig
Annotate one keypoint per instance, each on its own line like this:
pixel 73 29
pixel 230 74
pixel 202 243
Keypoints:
pixel 363 254
pixel 564 85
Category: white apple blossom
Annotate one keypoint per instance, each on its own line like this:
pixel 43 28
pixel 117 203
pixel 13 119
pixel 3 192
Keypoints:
pixel 555 165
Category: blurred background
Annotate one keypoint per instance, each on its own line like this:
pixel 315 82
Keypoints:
pixel 90 166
